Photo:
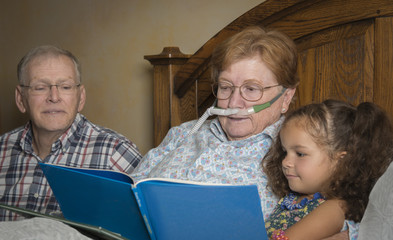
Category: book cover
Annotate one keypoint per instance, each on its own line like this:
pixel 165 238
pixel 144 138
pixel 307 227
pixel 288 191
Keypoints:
pixel 97 197
pixel 157 208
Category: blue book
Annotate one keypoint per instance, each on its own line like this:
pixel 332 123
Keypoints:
pixel 163 209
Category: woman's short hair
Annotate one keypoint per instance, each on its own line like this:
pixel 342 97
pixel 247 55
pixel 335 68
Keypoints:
pixel 275 49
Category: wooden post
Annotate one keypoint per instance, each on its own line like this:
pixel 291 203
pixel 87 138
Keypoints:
pixel 165 66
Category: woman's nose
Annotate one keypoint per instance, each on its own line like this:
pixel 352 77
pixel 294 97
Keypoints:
pixel 236 98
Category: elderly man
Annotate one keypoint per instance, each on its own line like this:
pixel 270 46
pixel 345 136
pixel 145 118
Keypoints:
pixel 51 93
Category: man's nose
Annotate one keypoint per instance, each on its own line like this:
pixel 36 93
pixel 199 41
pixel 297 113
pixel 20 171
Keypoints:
pixel 54 92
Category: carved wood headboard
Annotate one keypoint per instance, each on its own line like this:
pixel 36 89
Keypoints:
pixel 345 52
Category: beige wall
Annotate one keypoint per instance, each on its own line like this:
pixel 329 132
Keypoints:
pixel 110 38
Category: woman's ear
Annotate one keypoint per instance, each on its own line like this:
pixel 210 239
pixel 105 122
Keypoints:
pixel 288 95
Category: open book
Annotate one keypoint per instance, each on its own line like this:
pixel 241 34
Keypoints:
pixel 160 209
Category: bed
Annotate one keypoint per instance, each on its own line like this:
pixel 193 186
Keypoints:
pixel 345 52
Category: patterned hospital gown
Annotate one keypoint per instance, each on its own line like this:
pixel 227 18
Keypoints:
pixel 208 156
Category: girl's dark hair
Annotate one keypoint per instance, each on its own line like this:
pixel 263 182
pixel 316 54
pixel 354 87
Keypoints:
pixel 364 133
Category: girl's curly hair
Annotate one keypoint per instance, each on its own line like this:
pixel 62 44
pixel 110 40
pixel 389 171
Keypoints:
pixel 364 133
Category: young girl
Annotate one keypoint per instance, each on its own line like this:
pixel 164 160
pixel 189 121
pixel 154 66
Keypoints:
pixel 323 166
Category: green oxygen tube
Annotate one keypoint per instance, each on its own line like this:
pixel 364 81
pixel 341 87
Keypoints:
pixel 258 108
pixel 226 112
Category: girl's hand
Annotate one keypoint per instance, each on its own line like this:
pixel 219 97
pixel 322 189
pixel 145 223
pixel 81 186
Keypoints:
pixel 339 236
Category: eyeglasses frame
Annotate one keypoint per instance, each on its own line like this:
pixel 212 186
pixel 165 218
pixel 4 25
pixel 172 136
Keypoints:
pixel 233 90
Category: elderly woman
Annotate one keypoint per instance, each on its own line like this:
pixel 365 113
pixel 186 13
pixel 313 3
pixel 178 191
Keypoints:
pixel 253 71
pixel 249 69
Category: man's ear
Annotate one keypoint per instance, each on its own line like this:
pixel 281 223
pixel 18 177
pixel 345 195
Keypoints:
pixel 19 99
pixel 82 99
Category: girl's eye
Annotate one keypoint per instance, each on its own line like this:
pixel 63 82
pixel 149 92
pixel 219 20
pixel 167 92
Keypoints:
pixel 299 154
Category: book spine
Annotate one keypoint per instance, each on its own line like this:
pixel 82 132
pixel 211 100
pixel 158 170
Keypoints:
pixel 144 212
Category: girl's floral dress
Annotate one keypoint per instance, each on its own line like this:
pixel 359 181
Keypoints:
pixel 288 212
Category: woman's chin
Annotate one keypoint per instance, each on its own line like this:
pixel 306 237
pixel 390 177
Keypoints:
pixel 237 134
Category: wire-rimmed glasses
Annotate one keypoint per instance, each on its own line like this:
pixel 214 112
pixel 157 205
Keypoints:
pixel 249 91
pixel 44 89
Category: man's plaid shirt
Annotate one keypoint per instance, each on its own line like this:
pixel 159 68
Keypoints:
pixel 84 145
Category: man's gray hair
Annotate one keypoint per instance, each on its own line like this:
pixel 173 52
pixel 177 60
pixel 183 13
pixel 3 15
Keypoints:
pixel 46 50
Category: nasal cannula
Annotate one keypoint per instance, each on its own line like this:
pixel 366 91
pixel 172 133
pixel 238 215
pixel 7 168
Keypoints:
pixel 213 110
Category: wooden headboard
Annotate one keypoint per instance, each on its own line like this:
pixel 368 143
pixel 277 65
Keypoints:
pixel 345 52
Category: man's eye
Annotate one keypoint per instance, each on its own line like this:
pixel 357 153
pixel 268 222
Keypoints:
pixel 40 88
pixel 66 87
